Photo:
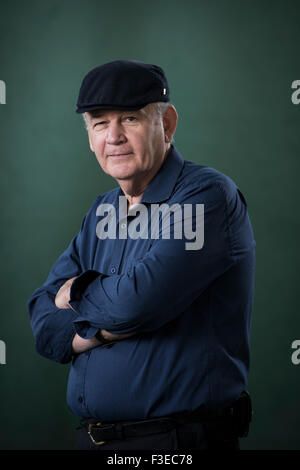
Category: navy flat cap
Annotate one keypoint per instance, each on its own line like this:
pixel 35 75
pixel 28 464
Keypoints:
pixel 122 84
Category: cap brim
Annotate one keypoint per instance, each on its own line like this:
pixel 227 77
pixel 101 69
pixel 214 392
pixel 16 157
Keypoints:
pixel 87 108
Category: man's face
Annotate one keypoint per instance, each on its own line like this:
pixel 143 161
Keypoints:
pixel 129 145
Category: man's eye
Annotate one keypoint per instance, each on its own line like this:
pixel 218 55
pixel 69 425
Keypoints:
pixel 130 118
pixel 100 123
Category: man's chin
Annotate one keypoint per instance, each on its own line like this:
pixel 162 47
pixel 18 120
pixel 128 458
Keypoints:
pixel 120 172
pixel 121 175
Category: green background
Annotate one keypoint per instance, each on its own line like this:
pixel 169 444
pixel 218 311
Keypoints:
pixel 230 67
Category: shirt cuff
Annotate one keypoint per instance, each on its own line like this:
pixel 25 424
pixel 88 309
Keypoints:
pixel 84 329
pixel 81 282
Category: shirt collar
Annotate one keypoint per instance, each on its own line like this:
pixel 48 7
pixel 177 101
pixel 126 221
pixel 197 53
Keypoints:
pixel 162 185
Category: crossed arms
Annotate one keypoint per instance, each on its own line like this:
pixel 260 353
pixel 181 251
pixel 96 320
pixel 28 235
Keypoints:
pixel 153 291
pixel 80 344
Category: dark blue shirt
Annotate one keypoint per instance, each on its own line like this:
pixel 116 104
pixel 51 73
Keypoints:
pixel 190 309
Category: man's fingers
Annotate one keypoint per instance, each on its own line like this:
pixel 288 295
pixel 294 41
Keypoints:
pixel 115 337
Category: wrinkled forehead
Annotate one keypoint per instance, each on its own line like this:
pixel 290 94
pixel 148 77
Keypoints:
pixel 97 113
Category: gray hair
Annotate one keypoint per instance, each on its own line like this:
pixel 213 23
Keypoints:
pixel 160 107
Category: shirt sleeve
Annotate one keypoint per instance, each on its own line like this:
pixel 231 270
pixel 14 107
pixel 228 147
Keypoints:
pixel 52 327
pixel 169 278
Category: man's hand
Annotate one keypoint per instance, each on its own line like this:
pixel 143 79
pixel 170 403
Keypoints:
pixel 113 337
pixel 80 345
pixel 62 298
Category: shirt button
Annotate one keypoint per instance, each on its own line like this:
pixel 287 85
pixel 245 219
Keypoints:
pixel 113 270
pixel 80 399
pixel 123 225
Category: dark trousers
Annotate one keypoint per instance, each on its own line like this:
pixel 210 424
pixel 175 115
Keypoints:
pixel 188 436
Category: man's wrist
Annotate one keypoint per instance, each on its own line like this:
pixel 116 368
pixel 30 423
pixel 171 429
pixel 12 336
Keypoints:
pixel 80 344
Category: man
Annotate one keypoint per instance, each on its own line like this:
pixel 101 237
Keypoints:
pixel 157 326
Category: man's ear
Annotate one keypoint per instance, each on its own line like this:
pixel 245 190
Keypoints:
pixel 87 121
pixel 90 142
pixel 170 118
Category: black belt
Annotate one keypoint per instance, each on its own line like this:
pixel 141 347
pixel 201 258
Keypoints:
pixel 100 433
pixel 219 425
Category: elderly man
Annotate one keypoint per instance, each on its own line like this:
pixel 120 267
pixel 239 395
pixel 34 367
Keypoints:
pixel 156 326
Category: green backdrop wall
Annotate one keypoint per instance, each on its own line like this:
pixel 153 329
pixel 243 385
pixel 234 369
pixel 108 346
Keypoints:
pixel 230 67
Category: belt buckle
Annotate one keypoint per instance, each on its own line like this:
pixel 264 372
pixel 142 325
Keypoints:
pixel 90 426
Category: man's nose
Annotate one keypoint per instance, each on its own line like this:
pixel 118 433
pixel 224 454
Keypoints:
pixel 115 134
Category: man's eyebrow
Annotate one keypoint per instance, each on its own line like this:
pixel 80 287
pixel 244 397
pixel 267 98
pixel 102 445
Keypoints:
pixel 96 115
pixel 100 114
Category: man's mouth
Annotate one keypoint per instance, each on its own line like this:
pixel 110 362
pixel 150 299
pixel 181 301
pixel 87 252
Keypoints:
pixel 122 154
